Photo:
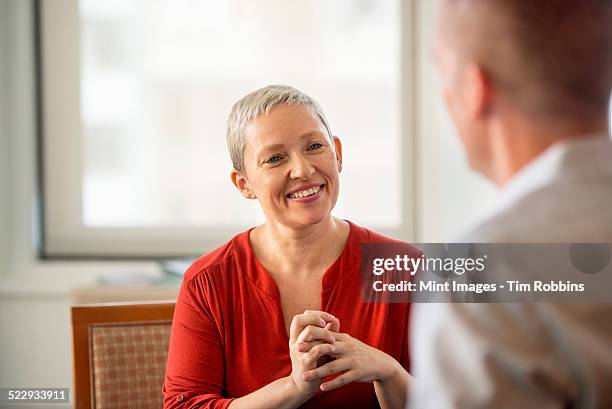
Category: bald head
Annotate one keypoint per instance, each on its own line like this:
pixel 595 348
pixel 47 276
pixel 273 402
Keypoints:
pixel 551 59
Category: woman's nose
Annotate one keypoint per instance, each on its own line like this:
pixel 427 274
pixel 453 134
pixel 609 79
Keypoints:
pixel 301 168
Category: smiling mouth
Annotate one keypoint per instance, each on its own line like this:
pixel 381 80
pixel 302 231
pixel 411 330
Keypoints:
pixel 307 192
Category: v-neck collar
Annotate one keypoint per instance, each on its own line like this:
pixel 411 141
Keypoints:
pixel 264 281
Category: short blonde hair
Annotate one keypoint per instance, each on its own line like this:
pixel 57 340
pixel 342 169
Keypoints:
pixel 256 103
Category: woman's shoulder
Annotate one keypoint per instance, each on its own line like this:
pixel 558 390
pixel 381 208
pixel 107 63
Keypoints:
pixel 216 260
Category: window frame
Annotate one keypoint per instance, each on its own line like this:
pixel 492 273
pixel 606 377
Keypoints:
pixel 60 159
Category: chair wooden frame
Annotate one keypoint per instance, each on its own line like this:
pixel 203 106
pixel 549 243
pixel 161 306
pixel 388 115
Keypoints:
pixel 83 316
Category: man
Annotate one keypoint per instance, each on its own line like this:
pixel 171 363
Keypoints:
pixel 527 84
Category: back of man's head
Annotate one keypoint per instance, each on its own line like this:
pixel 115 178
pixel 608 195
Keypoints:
pixel 551 59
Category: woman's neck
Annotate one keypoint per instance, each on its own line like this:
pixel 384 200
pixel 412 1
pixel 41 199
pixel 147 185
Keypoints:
pixel 299 252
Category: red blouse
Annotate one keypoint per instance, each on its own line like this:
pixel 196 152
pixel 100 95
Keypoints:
pixel 229 338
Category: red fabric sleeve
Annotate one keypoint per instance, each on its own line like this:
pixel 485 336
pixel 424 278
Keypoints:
pixel 195 369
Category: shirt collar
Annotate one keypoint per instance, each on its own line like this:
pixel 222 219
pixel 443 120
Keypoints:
pixel 349 258
pixel 565 158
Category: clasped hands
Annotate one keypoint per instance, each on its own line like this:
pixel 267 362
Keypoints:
pixel 318 349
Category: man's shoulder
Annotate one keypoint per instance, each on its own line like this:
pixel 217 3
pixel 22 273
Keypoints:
pixel 560 211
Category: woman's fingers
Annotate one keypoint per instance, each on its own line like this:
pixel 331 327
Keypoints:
pixel 361 363
pixel 333 323
pixel 339 365
pixel 333 353
pixel 318 351
pixel 306 346
pixel 344 379
pixel 325 315
pixel 340 347
pixel 312 333
pixel 333 326
pixel 301 321
pixel 310 344
pixel 314 318
pixel 340 336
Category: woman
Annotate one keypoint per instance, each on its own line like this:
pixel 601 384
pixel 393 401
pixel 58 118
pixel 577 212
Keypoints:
pixel 273 318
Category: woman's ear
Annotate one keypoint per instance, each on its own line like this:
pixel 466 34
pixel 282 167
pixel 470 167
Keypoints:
pixel 338 149
pixel 242 184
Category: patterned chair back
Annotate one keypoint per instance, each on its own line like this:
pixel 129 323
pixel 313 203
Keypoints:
pixel 120 353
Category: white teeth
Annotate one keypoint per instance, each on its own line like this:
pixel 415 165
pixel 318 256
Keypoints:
pixel 305 193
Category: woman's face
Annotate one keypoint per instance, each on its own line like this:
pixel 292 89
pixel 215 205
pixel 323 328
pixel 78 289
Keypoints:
pixel 291 166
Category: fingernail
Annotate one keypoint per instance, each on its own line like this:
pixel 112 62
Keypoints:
pixel 333 339
pixel 322 322
pixel 306 376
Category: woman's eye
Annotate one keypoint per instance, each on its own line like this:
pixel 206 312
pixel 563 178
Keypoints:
pixel 273 159
pixel 314 146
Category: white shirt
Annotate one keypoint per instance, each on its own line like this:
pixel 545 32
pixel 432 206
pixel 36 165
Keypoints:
pixel 527 355
pixel 564 195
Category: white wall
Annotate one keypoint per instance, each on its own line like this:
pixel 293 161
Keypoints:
pixel 35 340
pixel 4 135
pixel 18 140
pixel 34 345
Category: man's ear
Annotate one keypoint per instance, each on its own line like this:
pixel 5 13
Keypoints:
pixel 242 184
pixel 477 91
pixel 338 150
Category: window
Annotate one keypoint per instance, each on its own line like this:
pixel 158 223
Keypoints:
pixel 136 95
